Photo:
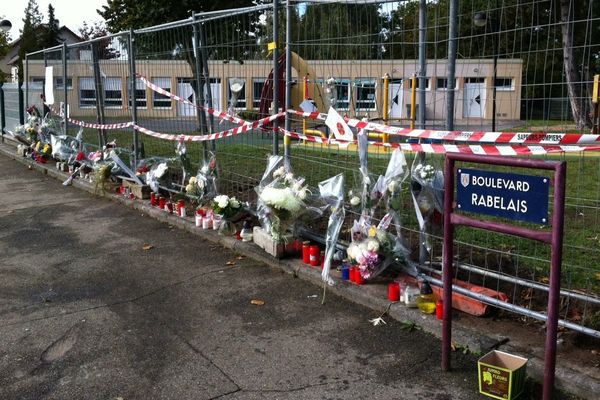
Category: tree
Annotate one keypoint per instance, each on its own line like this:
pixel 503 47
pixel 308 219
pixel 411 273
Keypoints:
pixel 97 29
pixel 50 33
pixel 4 39
pixel 30 40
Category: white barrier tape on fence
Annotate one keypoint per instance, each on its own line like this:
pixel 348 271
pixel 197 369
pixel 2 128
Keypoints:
pixel 541 138
pixel 484 149
pixel 217 113
pixel 249 126
pixel 121 125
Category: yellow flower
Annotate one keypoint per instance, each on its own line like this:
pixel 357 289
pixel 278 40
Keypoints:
pixel 372 231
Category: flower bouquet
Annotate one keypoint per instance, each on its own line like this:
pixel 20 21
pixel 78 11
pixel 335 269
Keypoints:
pixel 228 208
pixel 376 250
pixel 282 201
pixel 332 194
pixel 427 190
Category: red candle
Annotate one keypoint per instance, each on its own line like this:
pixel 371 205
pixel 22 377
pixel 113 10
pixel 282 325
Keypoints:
pixel 152 199
pixel 180 208
pixel 439 309
pixel 306 252
pixel 394 291
pixel 161 202
pixel 359 278
pixel 170 207
pixel 353 272
pixel 314 259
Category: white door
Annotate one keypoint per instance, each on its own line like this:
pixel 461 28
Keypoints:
pixel 395 100
pixel 184 90
pixel 474 103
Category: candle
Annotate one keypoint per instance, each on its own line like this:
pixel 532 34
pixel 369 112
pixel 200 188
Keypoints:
pixel 161 202
pixel 181 208
pixel 345 273
pixel 169 207
pixel 216 221
pixel 353 272
pixel 314 255
pixel 394 291
pixel 206 222
pixel 306 252
pixel 152 199
pixel 198 220
pixel 359 278
pixel 439 309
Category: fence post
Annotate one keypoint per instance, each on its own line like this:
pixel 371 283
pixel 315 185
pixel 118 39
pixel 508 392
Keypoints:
pixel 288 81
pixel 206 78
pixel 451 79
pixel 2 113
pixel 275 76
pixel 422 63
pixel 199 83
pixel 132 89
pixel 22 100
pixel 99 88
pixel 66 107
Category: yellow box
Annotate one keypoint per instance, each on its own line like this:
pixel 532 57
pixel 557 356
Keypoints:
pixel 501 375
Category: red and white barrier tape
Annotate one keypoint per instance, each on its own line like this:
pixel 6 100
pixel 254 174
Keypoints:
pixel 541 138
pixel 484 149
pixel 217 113
pixel 219 135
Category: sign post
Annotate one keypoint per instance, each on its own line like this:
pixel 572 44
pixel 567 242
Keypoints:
pixel 512 196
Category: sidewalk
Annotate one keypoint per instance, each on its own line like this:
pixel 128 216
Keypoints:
pixel 478 334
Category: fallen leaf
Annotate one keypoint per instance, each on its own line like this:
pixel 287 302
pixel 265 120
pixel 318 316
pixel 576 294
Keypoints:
pixel 595 352
pixel 544 279
pixel 230 263
pixel 598 276
pixel 241 257
pixel 257 302
pixel 147 246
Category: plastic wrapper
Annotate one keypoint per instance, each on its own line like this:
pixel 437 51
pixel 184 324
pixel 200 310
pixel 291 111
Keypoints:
pixel 66 147
pixel 393 180
pixel 229 209
pixel 361 197
pixel 376 250
pixel 262 210
pixel 203 186
pixel 427 191
pixel 28 132
pixel 157 174
pixel 332 193
pixel 283 199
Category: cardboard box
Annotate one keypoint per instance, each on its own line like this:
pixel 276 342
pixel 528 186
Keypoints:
pixel 501 375
pixel 140 191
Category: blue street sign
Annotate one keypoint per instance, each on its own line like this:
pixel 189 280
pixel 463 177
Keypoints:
pixel 512 196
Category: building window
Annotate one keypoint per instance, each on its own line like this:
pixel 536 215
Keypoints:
pixel 474 80
pixel 38 80
pixel 113 92
pixel 442 84
pixel 160 100
pixel 343 94
pixel 504 84
pixel 365 94
pixel 87 92
pixel 236 93
pixel 257 87
pixel 140 93
pixel 58 83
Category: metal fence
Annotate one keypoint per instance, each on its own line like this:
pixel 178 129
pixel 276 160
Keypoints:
pixel 390 62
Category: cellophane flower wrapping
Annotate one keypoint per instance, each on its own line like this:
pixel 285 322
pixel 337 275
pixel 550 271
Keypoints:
pixel 427 190
pixel 28 132
pixel 396 173
pixel 376 249
pixel 262 210
pixel 65 147
pixel 332 194
pixel 283 200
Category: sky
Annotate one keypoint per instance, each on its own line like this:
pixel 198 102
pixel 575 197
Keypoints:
pixel 71 13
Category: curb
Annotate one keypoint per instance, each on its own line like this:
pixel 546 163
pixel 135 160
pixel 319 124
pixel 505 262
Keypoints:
pixel 569 378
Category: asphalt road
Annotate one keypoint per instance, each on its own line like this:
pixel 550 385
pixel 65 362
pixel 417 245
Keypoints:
pixel 88 311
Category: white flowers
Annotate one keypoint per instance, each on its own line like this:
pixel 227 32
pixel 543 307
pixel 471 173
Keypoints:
pixel 393 186
pixel 279 172
pixel 354 201
pixel 377 321
pixel 424 172
pixel 160 170
pixel 373 245
pixel 222 200
pixel 281 199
